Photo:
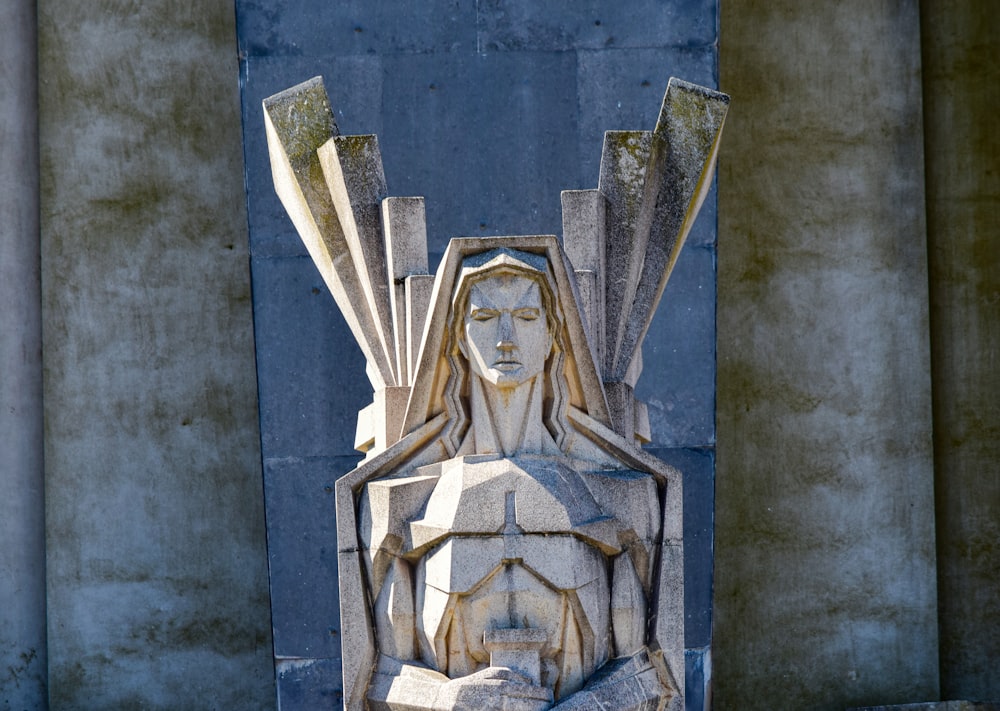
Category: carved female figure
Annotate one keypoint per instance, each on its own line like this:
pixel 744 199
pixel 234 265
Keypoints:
pixel 510 555
pixel 504 547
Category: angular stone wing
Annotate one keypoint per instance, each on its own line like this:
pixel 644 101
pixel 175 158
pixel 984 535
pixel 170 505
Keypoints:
pixel 370 249
pixel 622 238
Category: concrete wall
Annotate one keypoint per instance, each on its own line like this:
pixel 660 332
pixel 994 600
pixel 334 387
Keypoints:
pixel 22 508
pixel 961 104
pixel 825 563
pixel 157 582
pixel 157 586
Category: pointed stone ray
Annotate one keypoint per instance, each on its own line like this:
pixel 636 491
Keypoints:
pixel 682 162
pixel 352 166
pixel 584 224
pixel 418 304
pixel 298 121
pixel 630 201
pixel 405 224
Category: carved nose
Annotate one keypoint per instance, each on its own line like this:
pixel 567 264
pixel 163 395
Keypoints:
pixel 505 332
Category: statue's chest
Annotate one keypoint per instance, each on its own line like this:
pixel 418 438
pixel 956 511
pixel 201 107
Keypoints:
pixel 556 586
pixel 512 501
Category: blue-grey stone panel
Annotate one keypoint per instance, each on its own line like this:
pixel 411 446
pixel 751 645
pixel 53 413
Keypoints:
pixel 698 679
pixel 622 90
pixel 310 370
pixel 487 139
pixel 489 113
pixel 302 543
pixel 309 684
pixel 678 378
pixel 312 28
pixel 22 483
pixel 512 25
pixel 697 467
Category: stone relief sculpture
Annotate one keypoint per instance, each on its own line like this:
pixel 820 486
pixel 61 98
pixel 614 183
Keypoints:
pixel 506 543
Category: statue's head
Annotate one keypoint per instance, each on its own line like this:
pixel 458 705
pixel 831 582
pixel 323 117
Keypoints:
pixel 505 328
pixel 505 316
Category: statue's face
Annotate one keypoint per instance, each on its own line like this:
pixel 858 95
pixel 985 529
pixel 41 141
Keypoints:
pixel 507 337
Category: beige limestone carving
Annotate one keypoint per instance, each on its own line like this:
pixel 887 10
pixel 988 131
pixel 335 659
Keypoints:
pixel 506 543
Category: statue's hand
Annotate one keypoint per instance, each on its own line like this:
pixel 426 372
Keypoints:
pixel 493 689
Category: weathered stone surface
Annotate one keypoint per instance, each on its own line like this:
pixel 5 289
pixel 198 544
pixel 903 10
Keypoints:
pixel 825 550
pixel 517 649
pixel 682 165
pixel 352 166
pixel 628 608
pixel 960 103
pixel 272 234
pixel 654 184
pixel 380 423
pixel 584 224
pixel 629 218
pixel 156 565
pixel 418 298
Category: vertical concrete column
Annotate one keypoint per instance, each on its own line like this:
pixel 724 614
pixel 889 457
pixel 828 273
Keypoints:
pixel 156 570
pixel 961 102
pixel 22 506
pixel 825 558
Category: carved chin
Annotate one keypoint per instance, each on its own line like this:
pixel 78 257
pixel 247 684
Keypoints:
pixel 508 375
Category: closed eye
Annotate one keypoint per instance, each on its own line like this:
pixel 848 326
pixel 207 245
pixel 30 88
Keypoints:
pixel 483 314
pixel 527 314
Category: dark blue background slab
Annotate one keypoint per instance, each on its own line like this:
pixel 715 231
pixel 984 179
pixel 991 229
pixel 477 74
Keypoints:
pixel 488 109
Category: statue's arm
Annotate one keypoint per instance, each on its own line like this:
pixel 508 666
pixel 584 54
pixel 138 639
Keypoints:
pixel 637 679
pixel 625 684
pixel 407 686
pixel 403 686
